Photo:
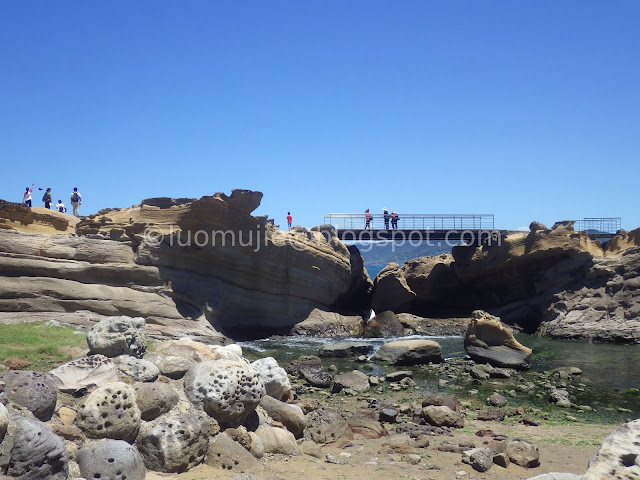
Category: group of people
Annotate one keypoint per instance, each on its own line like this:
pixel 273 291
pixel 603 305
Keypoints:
pixel 393 217
pixel 75 198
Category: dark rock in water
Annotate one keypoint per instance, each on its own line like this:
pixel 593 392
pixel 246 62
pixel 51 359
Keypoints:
pixel 383 325
pixel 410 352
pixel 111 460
pixel 33 451
pixel 488 341
pixel 307 362
pixel 33 390
pixel 346 349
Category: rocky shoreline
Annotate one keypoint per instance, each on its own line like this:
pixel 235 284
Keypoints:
pixel 187 406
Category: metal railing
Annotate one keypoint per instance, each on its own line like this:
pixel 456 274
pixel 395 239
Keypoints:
pixel 598 225
pixel 412 221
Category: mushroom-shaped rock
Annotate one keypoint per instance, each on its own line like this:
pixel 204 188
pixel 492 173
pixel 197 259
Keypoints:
pixel 488 341
pixel 175 444
pixel 110 412
pixel 34 391
pixel 227 390
pixel 410 352
pixel 618 456
pixel 35 452
pixel 77 374
pixel 113 336
pixel 274 377
pixel 111 460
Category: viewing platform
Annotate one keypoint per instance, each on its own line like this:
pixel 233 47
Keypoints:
pixel 469 228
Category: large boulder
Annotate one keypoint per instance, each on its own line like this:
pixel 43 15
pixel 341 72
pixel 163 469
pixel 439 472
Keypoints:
pixel 155 399
pixel 488 341
pixel 110 412
pixel 227 390
pixel 277 440
pixel 275 378
pixel 136 369
pixel 33 451
pixel 325 425
pixel 442 416
pixel 618 457
pixel 175 444
pixel 291 416
pixel 353 382
pixel 32 390
pixel 111 460
pixel 226 454
pixel 410 352
pixel 322 323
pixel 96 370
pixel 383 325
pixel 523 453
pixel 115 336
pixel 346 349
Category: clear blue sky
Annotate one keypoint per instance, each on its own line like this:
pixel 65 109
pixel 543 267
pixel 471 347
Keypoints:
pixel 526 109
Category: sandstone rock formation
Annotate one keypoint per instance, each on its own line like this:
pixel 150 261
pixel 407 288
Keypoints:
pixel 410 352
pixel 556 282
pixel 487 340
pixel 111 459
pixel 618 456
pixel 183 265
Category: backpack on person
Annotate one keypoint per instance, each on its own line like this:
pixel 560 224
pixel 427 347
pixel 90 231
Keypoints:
pixel 75 197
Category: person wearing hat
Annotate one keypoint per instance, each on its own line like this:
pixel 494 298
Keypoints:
pixel 367 220
pixel 385 215
pixel 394 220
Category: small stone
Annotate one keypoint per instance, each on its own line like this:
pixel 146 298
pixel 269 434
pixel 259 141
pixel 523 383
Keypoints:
pixel 67 415
pixel 502 460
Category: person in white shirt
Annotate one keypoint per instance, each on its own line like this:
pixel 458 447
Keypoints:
pixel 76 201
pixel 60 207
pixel 26 198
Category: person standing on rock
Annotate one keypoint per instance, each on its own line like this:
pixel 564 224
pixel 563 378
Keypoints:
pixel 76 201
pixel 26 198
pixel 289 220
pixel 367 220
pixel 385 214
pixel 60 207
pixel 46 198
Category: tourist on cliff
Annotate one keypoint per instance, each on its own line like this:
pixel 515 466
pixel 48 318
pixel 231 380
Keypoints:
pixel 289 219
pixel 46 198
pixel 76 201
pixel 385 214
pixel 60 207
pixel 26 198
pixel 367 219
pixel 394 220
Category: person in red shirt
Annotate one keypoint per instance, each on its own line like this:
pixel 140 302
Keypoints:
pixel 289 219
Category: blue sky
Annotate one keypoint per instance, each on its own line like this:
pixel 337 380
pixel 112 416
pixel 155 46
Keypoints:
pixel 528 110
